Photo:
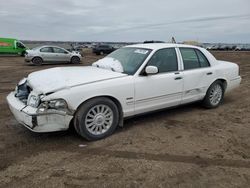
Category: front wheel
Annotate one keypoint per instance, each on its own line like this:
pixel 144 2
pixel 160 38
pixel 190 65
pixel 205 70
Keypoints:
pixel 214 96
pixel 97 118
pixel 75 60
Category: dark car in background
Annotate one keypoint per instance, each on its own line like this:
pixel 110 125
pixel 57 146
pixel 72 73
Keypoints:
pixel 152 41
pixel 103 49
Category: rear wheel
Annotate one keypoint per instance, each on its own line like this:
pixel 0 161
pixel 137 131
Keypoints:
pixel 37 61
pixel 214 96
pixel 75 60
pixel 97 118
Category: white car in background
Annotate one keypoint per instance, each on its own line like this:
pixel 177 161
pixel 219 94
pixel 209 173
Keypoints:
pixel 42 54
pixel 132 80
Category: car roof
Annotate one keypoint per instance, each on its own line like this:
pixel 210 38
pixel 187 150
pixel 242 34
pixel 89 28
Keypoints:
pixel 46 46
pixel 157 46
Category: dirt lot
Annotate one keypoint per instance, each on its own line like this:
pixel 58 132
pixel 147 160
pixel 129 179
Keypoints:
pixel 183 147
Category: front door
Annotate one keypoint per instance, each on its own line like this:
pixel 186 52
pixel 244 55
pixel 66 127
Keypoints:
pixel 160 90
pixel 61 55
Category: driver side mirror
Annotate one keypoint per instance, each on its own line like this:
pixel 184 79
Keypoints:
pixel 150 70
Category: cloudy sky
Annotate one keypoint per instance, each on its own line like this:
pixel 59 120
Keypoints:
pixel 126 20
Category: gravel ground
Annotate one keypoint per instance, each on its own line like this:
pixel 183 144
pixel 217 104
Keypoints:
pixel 183 147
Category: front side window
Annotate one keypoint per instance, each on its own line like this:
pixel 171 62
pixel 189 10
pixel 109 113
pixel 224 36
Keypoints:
pixel 193 58
pixel 20 45
pixel 165 60
pixel 47 50
pixel 59 50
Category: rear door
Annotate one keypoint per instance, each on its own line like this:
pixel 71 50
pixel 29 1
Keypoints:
pixel 197 74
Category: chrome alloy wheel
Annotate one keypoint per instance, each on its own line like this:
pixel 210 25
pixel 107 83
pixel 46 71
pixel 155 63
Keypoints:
pixel 216 95
pixel 99 119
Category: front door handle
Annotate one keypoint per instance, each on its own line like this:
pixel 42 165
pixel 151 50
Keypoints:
pixel 209 73
pixel 178 78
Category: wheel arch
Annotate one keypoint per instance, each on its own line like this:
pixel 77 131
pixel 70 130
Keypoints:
pixel 115 100
pixel 223 81
pixel 74 56
pixel 36 57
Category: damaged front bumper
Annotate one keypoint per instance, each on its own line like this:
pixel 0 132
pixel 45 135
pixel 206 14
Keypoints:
pixel 49 121
pixel 28 58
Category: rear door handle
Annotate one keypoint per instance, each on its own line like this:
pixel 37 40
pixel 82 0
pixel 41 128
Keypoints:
pixel 178 78
pixel 209 73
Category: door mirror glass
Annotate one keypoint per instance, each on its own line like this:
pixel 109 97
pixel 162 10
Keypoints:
pixel 151 70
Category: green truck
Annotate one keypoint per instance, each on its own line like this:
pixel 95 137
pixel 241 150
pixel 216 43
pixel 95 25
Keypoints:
pixel 12 47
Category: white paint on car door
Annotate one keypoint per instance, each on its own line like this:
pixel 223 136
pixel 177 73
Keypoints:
pixel 198 74
pixel 161 90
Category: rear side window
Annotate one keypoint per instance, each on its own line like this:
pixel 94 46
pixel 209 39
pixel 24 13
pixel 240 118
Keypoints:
pixel 59 50
pixel 203 60
pixel 193 58
pixel 165 60
pixel 190 59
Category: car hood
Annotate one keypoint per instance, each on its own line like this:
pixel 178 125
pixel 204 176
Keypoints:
pixel 30 51
pixel 55 79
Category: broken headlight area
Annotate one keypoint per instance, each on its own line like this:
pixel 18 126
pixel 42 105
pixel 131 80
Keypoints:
pixel 22 90
pixel 33 100
pixel 54 106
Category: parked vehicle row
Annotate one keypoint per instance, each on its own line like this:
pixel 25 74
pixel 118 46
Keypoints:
pixel 229 47
pixel 132 80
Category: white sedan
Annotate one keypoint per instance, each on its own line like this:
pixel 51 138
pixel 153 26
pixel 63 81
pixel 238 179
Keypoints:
pixel 42 54
pixel 130 81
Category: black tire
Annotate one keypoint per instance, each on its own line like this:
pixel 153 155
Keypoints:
pixel 85 108
pixel 101 53
pixel 23 53
pixel 208 100
pixel 37 61
pixel 75 60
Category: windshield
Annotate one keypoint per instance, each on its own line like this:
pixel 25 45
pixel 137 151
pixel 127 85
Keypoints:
pixel 20 44
pixel 126 60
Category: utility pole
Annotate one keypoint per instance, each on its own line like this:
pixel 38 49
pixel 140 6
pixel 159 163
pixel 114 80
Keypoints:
pixel 173 40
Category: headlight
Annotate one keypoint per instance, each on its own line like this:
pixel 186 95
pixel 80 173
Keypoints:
pixel 57 104
pixel 33 101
